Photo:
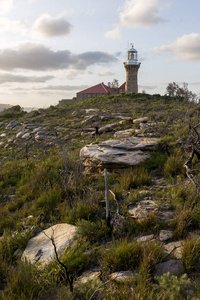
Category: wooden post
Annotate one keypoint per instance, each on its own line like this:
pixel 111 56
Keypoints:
pixel 107 199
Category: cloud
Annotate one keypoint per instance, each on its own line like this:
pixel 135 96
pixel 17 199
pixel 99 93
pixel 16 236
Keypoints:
pixel 7 77
pixel 12 26
pixel 106 73
pixel 114 33
pixel 185 48
pixel 6 6
pixel 137 14
pixel 63 87
pixel 140 13
pixel 48 26
pixel 31 56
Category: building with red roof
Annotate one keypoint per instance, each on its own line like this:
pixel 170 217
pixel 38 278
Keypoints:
pixel 98 90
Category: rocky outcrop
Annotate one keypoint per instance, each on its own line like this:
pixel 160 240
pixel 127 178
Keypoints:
pixel 117 154
pixel 40 247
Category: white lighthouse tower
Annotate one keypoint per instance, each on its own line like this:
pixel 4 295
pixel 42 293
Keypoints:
pixel 132 66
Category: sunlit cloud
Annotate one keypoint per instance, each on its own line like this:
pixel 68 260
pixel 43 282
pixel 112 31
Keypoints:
pixel 136 14
pixel 6 6
pixel 185 48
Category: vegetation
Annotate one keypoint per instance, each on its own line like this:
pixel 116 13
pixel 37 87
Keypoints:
pixel 42 183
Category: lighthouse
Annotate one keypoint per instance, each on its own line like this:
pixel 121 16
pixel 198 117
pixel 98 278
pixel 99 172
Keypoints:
pixel 132 66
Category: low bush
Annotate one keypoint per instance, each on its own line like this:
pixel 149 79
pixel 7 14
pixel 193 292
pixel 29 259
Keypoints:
pixel 93 231
pixel 191 254
pixel 172 287
pixel 135 177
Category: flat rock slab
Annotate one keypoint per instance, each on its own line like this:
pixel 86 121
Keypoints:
pixel 146 238
pixel 141 209
pixel 124 275
pixel 124 133
pixel 132 143
pixel 140 120
pixel 40 247
pixel 117 154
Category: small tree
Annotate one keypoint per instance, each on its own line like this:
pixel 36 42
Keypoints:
pixel 174 90
pixel 114 84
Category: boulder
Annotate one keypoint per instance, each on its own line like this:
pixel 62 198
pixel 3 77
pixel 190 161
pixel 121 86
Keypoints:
pixel 173 266
pixel 40 247
pixel 117 154
pixel 2 135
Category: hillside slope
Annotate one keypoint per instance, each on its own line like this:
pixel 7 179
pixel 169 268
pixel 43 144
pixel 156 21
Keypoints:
pixel 154 209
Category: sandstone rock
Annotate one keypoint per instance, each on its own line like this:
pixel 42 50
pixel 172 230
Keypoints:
pixel 124 133
pixel 11 125
pixel 20 134
pixel 117 154
pixel 124 275
pixel 107 128
pixel 26 135
pixel 165 235
pixel 140 120
pixel 94 156
pixel 142 208
pixel 132 143
pixel 145 238
pixel 173 266
pixel 143 126
pixel 174 248
pixel 40 247
pixel 90 111
pixel 89 275
pixel 2 135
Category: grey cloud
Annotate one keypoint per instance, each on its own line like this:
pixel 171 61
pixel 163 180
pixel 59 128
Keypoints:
pixel 38 57
pixel 52 27
pixel 53 88
pixel 64 87
pixel 5 77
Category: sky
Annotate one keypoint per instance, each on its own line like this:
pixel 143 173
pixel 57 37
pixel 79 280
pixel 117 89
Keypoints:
pixel 50 50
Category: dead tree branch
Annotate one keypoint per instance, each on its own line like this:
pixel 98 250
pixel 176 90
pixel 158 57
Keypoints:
pixel 68 278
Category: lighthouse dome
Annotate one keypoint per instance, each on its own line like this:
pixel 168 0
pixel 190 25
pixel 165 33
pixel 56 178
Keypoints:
pixel 132 56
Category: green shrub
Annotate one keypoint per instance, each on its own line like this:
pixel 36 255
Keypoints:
pixel 93 231
pixel 49 200
pixel 156 161
pixel 121 256
pixel 172 287
pixel 174 166
pixel 22 283
pixel 135 177
pixel 191 254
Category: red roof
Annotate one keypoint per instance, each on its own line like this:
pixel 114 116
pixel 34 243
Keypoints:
pixel 122 87
pixel 100 88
